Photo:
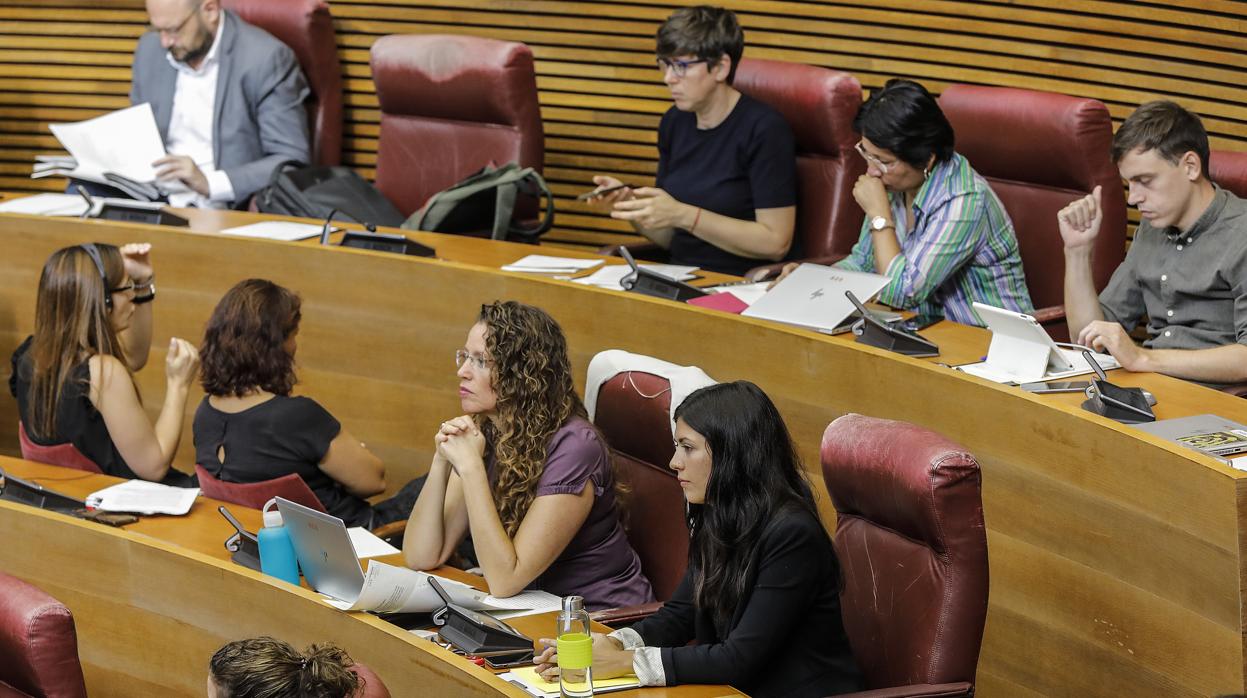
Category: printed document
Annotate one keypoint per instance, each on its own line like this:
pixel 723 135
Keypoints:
pixel 125 142
pixel 142 497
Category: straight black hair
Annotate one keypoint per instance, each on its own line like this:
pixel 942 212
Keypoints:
pixel 902 117
pixel 754 474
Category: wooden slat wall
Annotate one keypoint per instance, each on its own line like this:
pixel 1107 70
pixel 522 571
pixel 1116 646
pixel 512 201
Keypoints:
pixel 64 60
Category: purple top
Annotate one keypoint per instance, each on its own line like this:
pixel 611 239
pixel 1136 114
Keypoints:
pixel 598 563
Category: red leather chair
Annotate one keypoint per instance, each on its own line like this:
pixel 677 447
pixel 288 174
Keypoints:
pixel 66 454
pixel 913 554
pixel 373 686
pixel 1229 170
pixel 633 413
pixel 449 106
pixel 819 104
pixel 254 494
pixel 307 28
pixel 1040 151
pixel 38 644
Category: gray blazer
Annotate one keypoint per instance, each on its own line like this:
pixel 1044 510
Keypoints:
pixel 260 119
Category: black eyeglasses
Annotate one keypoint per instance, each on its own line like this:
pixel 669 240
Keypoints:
pixel 678 66
pixel 122 289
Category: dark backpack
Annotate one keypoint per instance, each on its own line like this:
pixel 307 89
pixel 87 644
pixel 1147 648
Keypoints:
pixel 312 192
pixel 484 204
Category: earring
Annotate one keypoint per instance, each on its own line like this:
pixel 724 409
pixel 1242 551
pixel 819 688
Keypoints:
pixel 926 173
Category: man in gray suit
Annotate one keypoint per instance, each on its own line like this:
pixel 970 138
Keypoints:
pixel 228 100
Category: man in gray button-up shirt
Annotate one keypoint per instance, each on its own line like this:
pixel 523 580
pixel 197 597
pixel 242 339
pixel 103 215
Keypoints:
pixel 1186 270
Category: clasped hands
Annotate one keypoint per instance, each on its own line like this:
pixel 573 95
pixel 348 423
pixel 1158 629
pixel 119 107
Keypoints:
pixel 460 443
pixel 610 659
pixel 650 208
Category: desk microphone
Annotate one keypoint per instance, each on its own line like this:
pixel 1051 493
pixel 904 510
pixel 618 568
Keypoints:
pixel 324 231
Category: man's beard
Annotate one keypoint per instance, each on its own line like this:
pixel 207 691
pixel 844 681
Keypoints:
pixel 203 44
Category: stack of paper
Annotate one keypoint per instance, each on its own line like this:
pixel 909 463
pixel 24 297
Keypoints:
pixel 141 497
pixel 117 149
pixel 391 589
pixel 46 205
pixel 278 230
pixel 543 264
pixel 610 277
pixel 537 686
pixel 525 603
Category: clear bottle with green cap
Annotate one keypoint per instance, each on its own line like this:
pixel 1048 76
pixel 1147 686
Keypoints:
pixel 575 649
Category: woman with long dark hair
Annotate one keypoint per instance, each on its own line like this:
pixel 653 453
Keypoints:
pixel 74 377
pixel 525 472
pixel 760 595
pixel 249 428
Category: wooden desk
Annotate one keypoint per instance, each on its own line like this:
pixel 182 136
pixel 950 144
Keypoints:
pixel 1117 560
pixel 161 596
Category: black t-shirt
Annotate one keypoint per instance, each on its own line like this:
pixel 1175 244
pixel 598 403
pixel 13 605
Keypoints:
pixel 77 420
pixel 745 163
pixel 279 436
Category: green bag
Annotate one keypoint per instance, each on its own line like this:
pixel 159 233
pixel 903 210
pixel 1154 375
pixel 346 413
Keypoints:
pixel 484 204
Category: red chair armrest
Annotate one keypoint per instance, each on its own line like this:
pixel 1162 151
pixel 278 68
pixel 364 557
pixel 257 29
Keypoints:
pixel 1051 314
pixel 626 615
pixel 770 271
pixel 923 690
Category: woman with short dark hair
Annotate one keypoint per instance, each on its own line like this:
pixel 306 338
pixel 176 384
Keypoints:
pixel 249 428
pixel 726 192
pixel 74 377
pixel 761 593
pixel 525 472
pixel 265 667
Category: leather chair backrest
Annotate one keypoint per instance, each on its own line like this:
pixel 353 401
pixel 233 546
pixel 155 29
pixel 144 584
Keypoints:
pixel 1040 151
pixel 38 644
pixel 912 549
pixel 1229 170
pixel 633 414
pixel 449 106
pixel 254 494
pixel 307 28
pixel 373 686
pixel 820 105
pixel 66 454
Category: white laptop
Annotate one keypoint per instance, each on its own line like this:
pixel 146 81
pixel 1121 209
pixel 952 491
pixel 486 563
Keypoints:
pixel 328 559
pixel 813 296
pixel 1022 352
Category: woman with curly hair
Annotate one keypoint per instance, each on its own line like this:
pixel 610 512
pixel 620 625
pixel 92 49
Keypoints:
pixel 264 667
pixel 524 472
pixel 249 428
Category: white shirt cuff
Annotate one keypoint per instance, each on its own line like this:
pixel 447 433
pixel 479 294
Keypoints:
pixel 219 186
pixel 646 661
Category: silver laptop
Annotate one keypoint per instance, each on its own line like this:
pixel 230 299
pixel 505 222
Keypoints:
pixel 813 296
pixel 1206 432
pixel 324 550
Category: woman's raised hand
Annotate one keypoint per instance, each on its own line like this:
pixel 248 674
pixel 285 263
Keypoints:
pixel 181 361
pixel 137 257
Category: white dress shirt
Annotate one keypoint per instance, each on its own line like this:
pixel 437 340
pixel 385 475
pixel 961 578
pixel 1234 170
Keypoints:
pixel 190 129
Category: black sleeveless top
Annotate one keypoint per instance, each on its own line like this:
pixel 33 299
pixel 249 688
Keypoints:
pixel 77 420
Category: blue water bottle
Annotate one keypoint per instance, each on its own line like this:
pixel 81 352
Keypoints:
pixel 276 551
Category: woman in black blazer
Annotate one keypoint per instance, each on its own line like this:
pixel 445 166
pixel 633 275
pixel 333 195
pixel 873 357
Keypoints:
pixel 761 595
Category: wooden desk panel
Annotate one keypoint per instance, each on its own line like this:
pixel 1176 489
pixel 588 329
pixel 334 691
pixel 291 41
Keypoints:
pixel 1116 558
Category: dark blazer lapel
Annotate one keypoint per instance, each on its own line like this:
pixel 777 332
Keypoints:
pixel 224 65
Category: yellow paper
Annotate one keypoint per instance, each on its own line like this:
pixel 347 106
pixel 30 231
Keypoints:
pixel 529 676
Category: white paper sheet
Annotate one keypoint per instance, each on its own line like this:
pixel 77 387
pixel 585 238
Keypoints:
pixel 747 293
pixel 287 231
pixel 368 545
pixel 125 141
pixel 142 497
pixel 609 277
pixel 390 589
pixel 525 603
pixel 46 205
pixel 544 264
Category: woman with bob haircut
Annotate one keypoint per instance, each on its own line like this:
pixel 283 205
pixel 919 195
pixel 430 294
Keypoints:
pixel 249 428
pixel 760 594
pixel 726 192
pixel 74 377
pixel 933 225
pixel 525 472
pixel 265 667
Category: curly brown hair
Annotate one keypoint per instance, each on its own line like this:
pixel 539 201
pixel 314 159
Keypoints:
pixel 265 667
pixel 244 345
pixel 532 378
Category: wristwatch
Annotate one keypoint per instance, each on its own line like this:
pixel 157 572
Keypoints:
pixel 151 294
pixel 879 223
